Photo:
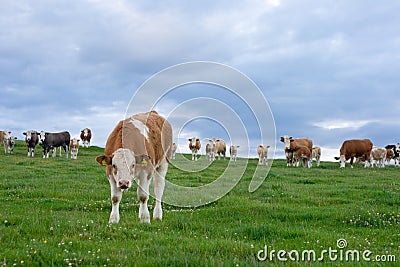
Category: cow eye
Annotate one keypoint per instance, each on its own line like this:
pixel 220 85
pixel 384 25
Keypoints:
pixel 114 166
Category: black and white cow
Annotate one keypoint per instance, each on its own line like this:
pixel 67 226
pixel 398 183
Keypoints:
pixel 31 140
pixel 396 150
pixel 50 141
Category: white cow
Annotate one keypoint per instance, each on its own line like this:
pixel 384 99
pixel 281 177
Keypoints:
pixel 378 156
pixel 233 150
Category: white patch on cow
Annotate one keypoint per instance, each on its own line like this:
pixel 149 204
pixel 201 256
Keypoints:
pixel 143 129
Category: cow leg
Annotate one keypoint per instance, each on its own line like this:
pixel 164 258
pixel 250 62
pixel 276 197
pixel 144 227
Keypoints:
pixel 66 149
pixel 192 155
pixel 143 195
pixel 116 195
pixel 159 184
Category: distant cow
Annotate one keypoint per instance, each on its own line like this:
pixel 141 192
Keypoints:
pixel 209 150
pixel 378 155
pixel 218 147
pixel 4 137
pixel 50 141
pixel 139 148
pixel 262 151
pixel 396 151
pixel 86 135
pixel 74 147
pixel 290 145
pixel 174 147
pixel 9 143
pixel 194 146
pixel 354 149
pixel 31 140
pixel 316 154
pixel 389 155
pixel 233 150
pixel 303 154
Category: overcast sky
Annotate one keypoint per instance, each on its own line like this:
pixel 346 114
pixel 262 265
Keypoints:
pixel 328 69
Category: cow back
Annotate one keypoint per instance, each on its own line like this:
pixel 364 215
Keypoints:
pixel 356 148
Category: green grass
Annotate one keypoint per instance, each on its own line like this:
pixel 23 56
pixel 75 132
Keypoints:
pixel 54 212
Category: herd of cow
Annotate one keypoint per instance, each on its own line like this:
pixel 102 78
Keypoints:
pixel 48 141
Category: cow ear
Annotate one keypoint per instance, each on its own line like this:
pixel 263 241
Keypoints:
pixel 337 158
pixel 24 133
pixel 282 139
pixel 103 160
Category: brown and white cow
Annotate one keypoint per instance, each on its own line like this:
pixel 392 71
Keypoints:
pixel 31 140
pixel 316 154
pixel 139 148
pixel 86 135
pixel 209 150
pixel 218 147
pixel 9 142
pixel 303 154
pixel 396 151
pixel 378 155
pixel 290 145
pixel 262 151
pixel 194 146
pixel 355 148
pixel 233 151
pixel 389 155
pixel 74 147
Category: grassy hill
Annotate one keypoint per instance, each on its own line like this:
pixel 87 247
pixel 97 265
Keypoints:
pixel 55 212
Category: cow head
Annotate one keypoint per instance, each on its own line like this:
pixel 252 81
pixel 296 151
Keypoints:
pixel 286 139
pixel 85 132
pixel 42 136
pixel 192 141
pixel 123 166
pixel 28 135
pixel 397 148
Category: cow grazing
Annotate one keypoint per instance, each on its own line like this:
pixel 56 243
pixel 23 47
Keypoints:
pixel 378 155
pixel 290 145
pixel 233 150
pixel 50 141
pixel 74 147
pixel 31 140
pixel 139 148
pixel 262 151
pixel 396 151
pixel 86 135
pixel 174 147
pixel 351 149
pixel 194 146
pixel 303 154
pixel 316 154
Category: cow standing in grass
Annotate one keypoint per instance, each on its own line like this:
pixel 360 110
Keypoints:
pixel 316 154
pixel 262 151
pixel 378 156
pixel 74 147
pixel 194 146
pixel 139 148
pixel 291 144
pixel 86 136
pixel 50 141
pixel 351 149
pixel 31 140
pixel 233 151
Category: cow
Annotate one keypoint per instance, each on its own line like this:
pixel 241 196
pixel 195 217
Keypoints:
pixel 139 148
pixel 316 154
pixel 86 135
pixel 74 147
pixel 209 151
pixel 219 147
pixel 233 152
pixel 174 147
pixel 303 154
pixel 194 146
pixel 31 140
pixel 389 155
pixel 396 151
pixel 9 143
pixel 291 144
pixel 4 136
pixel 262 151
pixel 50 141
pixel 355 148
pixel 378 155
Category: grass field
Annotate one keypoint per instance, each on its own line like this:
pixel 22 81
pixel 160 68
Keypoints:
pixel 54 212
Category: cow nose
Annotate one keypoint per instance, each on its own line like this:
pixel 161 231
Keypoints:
pixel 124 184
